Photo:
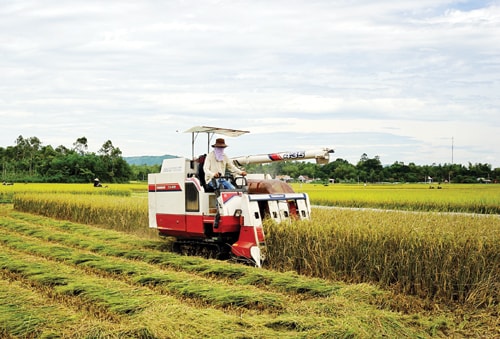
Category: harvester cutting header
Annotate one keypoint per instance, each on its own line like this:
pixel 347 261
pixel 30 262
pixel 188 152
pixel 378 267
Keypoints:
pixel 223 220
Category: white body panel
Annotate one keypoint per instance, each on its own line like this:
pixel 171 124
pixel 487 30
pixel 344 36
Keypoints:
pixel 166 190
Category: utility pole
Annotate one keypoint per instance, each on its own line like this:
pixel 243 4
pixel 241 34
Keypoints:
pixel 452 150
pixel 449 173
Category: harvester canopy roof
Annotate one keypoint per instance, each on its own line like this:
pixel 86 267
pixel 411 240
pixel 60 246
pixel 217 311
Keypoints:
pixel 217 130
pixel 211 131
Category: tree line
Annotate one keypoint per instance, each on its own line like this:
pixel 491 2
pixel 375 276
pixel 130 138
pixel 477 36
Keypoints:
pixel 371 170
pixel 31 161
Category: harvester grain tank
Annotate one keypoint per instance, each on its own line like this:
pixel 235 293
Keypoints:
pixel 223 222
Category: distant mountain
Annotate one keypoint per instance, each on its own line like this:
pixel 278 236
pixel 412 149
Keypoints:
pixel 148 160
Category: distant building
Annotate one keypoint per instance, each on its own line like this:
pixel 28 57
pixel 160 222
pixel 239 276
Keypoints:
pixel 304 178
pixel 285 178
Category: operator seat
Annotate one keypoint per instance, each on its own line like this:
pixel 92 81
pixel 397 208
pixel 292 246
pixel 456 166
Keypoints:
pixel 201 173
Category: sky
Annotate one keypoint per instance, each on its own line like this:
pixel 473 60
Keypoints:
pixel 408 81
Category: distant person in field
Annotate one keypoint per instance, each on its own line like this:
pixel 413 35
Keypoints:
pixel 216 164
pixel 97 183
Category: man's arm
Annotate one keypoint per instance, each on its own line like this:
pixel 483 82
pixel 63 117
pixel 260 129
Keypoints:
pixel 232 168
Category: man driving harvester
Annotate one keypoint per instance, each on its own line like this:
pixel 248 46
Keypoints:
pixel 216 164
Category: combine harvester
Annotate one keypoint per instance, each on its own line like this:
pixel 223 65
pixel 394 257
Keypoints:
pixel 223 223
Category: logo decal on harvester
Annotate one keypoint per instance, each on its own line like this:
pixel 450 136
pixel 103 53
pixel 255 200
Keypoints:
pixel 288 155
pixel 168 187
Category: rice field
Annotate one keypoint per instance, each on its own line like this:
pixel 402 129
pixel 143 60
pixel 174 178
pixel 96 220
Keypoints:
pixel 116 212
pixel 7 192
pixel 484 199
pixel 60 279
pixel 387 261
pixel 445 257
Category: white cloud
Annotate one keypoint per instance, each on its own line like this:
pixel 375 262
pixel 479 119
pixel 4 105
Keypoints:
pixel 396 78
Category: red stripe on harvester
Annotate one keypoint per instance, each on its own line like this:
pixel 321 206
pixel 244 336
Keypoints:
pixel 167 187
pixel 275 157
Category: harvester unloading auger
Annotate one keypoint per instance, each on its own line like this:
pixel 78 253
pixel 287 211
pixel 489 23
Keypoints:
pixel 226 222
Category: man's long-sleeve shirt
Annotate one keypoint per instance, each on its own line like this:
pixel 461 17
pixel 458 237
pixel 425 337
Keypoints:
pixel 213 166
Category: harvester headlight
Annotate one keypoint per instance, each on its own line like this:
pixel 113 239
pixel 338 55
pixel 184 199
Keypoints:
pixel 238 212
